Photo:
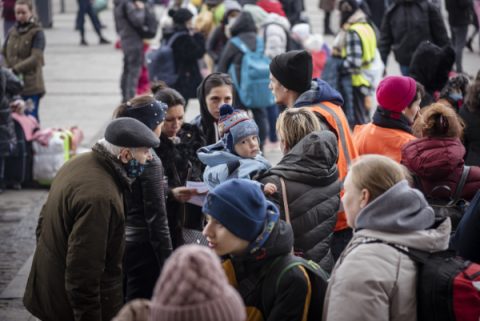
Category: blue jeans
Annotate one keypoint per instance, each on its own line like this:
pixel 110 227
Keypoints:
pixel 36 101
pixel 272 115
pixel 85 7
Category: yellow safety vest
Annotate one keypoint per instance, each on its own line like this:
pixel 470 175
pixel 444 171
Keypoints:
pixel 369 46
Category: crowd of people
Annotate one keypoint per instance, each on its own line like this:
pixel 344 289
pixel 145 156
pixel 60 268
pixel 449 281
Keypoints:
pixel 374 168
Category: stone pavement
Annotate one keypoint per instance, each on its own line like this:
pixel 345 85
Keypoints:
pixel 83 90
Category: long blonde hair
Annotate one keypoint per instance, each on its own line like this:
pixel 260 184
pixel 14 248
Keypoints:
pixel 294 124
pixel 377 174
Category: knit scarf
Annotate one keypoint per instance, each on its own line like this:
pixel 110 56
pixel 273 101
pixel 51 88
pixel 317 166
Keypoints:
pixel 382 118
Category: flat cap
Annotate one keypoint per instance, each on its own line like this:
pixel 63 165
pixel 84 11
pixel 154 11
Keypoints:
pixel 129 132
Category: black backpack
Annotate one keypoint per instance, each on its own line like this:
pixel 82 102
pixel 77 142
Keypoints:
pixel 150 26
pixel 454 207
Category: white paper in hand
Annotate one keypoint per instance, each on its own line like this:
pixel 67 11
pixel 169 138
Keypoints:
pixel 202 189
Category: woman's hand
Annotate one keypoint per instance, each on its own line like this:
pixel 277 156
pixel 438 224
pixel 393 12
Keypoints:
pixel 183 194
pixel 269 189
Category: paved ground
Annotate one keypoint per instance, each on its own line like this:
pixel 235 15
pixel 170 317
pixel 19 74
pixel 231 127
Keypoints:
pixel 82 85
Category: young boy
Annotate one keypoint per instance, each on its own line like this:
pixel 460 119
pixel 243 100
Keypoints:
pixel 246 228
pixel 238 154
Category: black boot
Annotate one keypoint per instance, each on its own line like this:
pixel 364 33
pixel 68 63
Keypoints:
pixel 326 25
pixel 104 41
pixel 83 42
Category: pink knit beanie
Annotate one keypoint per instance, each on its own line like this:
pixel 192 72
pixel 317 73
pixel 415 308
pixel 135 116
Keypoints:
pixel 395 93
pixel 193 286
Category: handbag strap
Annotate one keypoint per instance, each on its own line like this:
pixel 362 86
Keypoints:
pixel 285 200
pixel 461 183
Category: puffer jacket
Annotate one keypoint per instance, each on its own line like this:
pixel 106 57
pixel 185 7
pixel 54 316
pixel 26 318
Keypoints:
pixel 471 135
pixel 406 24
pixel 290 301
pixel 375 281
pixel 275 34
pixel 9 86
pixel 244 28
pixel 77 266
pixel 439 162
pixel 127 14
pixel 146 220
pixel 223 165
pixel 313 190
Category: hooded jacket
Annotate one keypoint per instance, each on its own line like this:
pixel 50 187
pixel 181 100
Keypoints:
pixel 406 24
pixel 439 162
pixel 326 103
pixel 374 280
pixel 313 194
pixel 223 165
pixel 249 275
pixel 77 266
pixel 244 28
pixel 205 122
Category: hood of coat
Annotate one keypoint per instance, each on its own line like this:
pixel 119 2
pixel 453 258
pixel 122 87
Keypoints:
pixel 206 119
pixel 410 213
pixel 319 92
pixel 244 23
pixel 277 19
pixel 433 158
pixel 216 154
pixel 312 161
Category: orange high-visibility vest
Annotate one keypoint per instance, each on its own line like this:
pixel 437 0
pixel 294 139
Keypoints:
pixel 347 152
pixel 373 139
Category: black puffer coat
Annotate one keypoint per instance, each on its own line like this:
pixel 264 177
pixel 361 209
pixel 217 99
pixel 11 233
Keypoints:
pixel 10 85
pixel 313 192
pixel 406 24
pixel 187 50
pixel 146 219
pixel 181 163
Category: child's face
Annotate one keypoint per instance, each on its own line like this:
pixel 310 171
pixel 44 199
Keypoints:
pixel 221 240
pixel 248 147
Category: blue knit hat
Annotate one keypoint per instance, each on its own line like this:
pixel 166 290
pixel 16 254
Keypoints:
pixel 235 125
pixel 151 114
pixel 240 206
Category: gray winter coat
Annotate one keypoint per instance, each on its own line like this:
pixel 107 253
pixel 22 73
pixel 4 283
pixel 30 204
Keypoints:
pixel 374 281
pixel 129 37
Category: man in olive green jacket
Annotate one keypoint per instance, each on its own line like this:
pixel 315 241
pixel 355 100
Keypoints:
pixel 76 272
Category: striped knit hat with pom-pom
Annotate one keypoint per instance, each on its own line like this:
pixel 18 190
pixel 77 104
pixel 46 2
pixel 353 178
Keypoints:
pixel 193 286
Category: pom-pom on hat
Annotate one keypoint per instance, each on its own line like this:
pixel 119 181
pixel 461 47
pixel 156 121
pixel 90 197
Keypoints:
pixel 235 125
pixel 395 93
pixel 193 286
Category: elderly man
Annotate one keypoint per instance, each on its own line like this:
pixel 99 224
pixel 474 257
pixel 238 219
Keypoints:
pixel 77 267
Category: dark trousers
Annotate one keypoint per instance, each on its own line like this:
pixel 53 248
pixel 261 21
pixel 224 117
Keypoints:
pixel 141 270
pixel 359 110
pixel 85 8
pixel 272 115
pixel 260 117
pixel 339 242
pixel 132 66
pixel 459 39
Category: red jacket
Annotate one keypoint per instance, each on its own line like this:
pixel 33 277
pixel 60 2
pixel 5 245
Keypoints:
pixel 272 6
pixel 439 161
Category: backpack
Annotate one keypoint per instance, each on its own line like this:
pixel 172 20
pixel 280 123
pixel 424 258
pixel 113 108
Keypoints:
pixel 317 276
pixel 448 287
pixel 255 76
pixel 454 207
pixel 150 25
pixel 161 62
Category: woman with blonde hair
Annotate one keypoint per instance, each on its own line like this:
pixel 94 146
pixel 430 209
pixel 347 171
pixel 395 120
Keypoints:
pixel 372 278
pixel 307 183
pixel 437 158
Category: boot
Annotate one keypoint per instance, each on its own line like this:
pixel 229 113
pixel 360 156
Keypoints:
pixel 104 41
pixel 83 42
pixel 326 25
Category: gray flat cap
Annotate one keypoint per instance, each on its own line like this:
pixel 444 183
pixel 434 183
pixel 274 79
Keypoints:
pixel 129 132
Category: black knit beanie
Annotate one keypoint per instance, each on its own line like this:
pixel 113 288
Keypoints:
pixel 180 16
pixel 293 70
